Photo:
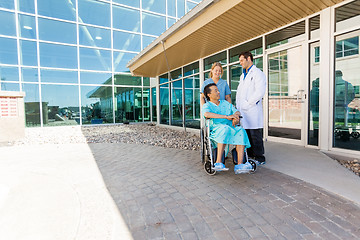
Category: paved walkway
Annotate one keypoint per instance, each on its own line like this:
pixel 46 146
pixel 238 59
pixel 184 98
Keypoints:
pixel 165 194
pixel 144 192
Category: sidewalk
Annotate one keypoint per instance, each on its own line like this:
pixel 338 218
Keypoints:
pixel 57 192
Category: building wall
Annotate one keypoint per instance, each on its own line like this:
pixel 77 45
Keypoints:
pixel 69 56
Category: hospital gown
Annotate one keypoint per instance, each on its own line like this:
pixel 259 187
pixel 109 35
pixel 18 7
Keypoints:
pixel 221 129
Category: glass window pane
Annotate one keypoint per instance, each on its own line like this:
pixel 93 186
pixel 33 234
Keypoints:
pixel 176 103
pixel 171 8
pixel 7 4
pixel 220 57
pixel 27 26
pixel 57 9
pixel 9 28
pixel 347 99
pixel 6 86
pixel 314 25
pixel 126 79
pixel 189 6
pixel 8 51
pixel 56 31
pixel 29 75
pixel 26 6
pixel 28 53
pixel 96 104
pixel 146 81
pixel 314 85
pixel 176 74
pixel 180 8
pixel 289 34
pixel 163 78
pixel 192 102
pixel 347 15
pixel 191 69
pixel 126 19
pixel 235 73
pixel 164 104
pixel 9 74
pixel 255 47
pixel 58 76
pixel 132 3
pixel 154 6
pixel 32 105
pixel 171 21
pixel 153 104
pixel 95 59
pixel 120 61
pixel 147 40
pixel 87 14
pixel 153 24
pixel 146 106
pixel 94 37
pixel 53 55
pixel 127 41
pixel 128 104
pixel 61 103
pixel 95 78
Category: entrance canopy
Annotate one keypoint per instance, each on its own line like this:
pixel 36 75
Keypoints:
pixel 214 25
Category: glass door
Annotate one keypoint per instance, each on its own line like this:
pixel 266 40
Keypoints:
pixel 286 95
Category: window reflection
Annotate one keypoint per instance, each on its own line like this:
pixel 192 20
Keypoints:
pixel 220 57
pixel 164 104
pixel 8 51
pixel 57 9
pixel 153 104
pixel 94 37
pixel 132 3
pixel 8 28
pixel 59 56
pixel 56 31
pixel 95 59
pixel 32 105
pixel 120 61
pixel 127 41
pixel 176 103
pixel 95 78
pixel 192 101
pixel 189 6
pixel 347 15
pixel 96 104
pixel 127 79
pixel 27 26
pixel 7 4
pixel 86 12
pixel 171 8
pixel 128 104
pixel 26 6
pixel 6 86
pixel 313 133
pixel 28 53
pixel 126 19
pixel 9 74
pixel 61 103
pixel 146 101
pixel 154 6
pixel 58 76
pixel 147 40
pixel 29 75
pixel 153 24
pixel 180 8
pixel 171 22
pixel 289 34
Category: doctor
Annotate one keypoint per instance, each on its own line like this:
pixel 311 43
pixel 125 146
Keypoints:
pixel 249 96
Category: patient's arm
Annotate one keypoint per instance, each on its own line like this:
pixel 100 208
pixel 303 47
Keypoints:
pixel 215 115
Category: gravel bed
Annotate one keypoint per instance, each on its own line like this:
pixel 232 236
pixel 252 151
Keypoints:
pixel 132 133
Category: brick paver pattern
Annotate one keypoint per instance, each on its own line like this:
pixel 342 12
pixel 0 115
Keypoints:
pixel 164 193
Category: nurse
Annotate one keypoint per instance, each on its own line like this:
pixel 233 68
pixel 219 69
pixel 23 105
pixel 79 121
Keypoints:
pixel 249 94
pixel 215 77
pixel 223 128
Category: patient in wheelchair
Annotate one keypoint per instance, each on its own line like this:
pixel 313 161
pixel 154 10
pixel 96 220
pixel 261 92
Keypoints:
pixel 224 128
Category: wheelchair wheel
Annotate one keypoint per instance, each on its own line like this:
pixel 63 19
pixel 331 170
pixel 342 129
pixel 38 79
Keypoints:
pixel 253 164
pixel 208 169
pixel 202 148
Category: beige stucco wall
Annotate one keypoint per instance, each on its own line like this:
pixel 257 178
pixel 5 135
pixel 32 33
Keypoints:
pixel 12 116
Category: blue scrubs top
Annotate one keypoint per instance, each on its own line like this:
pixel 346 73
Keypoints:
pixel 222 86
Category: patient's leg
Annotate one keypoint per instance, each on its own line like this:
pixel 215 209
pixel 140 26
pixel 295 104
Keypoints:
pixel 240 152
pixel 220 151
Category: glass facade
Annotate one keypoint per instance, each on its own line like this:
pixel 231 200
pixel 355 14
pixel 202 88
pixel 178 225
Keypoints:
pixel 71 63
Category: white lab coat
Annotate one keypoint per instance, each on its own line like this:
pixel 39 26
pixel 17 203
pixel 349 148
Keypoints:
pixel 249 96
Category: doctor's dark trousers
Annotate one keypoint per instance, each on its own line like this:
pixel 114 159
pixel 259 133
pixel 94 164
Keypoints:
pixel 257 146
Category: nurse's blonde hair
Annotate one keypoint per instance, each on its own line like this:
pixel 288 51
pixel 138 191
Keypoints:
pixel 216 64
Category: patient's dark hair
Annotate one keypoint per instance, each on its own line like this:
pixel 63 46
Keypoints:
pixel 207 90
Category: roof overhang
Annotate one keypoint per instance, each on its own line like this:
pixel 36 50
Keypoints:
pixel 214 25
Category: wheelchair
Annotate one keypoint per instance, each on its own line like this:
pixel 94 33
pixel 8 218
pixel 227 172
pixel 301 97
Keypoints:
pixel 208 151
